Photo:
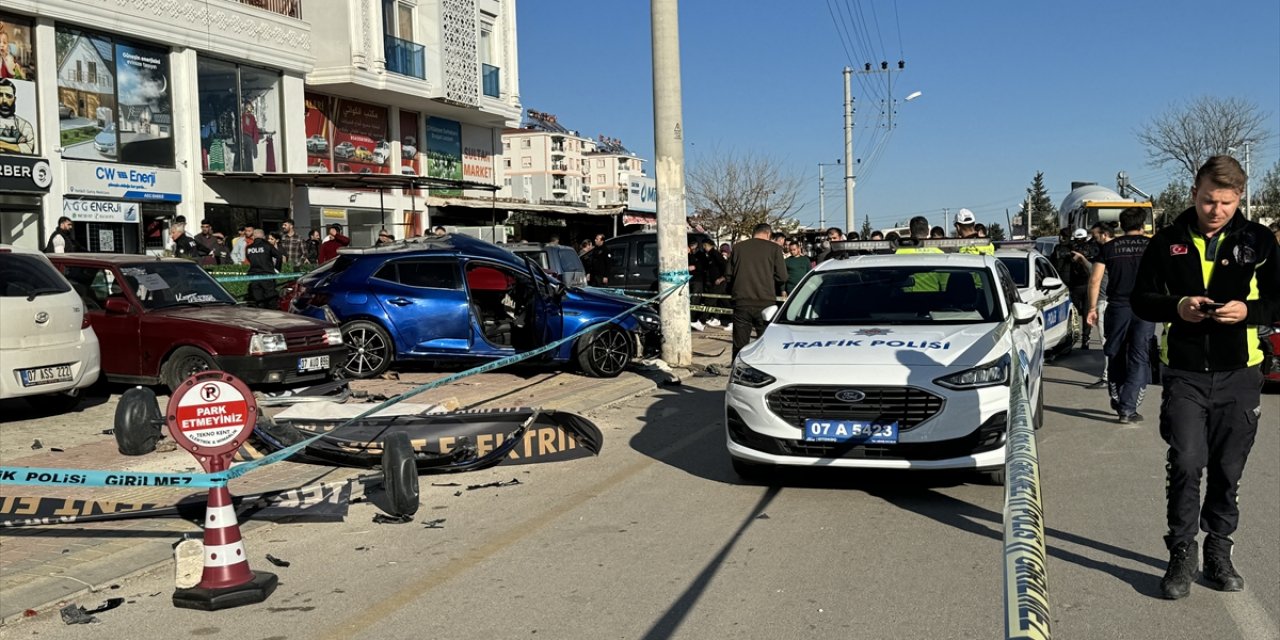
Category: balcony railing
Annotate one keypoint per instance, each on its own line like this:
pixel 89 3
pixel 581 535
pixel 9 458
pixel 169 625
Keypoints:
pixel 492 84
pixel 291 8
pixel 404 57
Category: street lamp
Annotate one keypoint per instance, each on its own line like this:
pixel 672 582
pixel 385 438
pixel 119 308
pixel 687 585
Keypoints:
pixel 822 204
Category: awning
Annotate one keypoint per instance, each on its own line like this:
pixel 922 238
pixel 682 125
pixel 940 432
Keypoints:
pixel 351 180
pixel 507 205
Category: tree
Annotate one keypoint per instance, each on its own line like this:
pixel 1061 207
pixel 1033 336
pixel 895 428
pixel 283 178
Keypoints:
pixel 1268 192
pixel 995 232
pixel 1042 219
pixel 1175 199
pixel 866 228
pixel 734 192
pixel 1186 135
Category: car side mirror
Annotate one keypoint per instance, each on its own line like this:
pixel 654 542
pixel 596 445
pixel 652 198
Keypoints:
pixel 1024 313
pixel 769 312
pixel 1052 283
pixel 119 306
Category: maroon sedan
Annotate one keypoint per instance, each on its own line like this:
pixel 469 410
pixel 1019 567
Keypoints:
pixel 160 320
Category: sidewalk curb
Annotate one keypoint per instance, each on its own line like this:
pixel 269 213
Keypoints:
pixel 152 555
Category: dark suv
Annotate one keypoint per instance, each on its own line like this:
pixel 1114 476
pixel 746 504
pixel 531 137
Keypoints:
pixel 557 260
pixel 458 298
pixel 633 259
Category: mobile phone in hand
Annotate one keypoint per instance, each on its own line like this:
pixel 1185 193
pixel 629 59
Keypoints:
pixel 1210 307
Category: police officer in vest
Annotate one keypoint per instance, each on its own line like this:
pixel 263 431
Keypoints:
pixel 1213 277
pixel 262 257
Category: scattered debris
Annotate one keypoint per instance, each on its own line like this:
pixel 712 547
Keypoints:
pixel 457 493
pixel 363 548
pixel 75 614
pixel 108 432
pixel 30 613
pixel 110 604
pixel 390 375
pixel 497 483
pixel 55 450
pixel 445 484
pixel 382 518
pixel 277 561
pixel 763 516
pixel 433 524
pixel 709 355
pixel 37 445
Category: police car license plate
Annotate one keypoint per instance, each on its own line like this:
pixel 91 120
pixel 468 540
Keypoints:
pixel 46 375
pixel 313 362
pixel 850 431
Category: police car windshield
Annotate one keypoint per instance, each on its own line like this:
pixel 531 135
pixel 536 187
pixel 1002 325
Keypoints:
pixel 894 295
pixel 171 284
pixel 1018 268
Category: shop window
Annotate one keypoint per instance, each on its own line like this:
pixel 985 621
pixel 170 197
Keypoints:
pixel 116 97
pixel 239 118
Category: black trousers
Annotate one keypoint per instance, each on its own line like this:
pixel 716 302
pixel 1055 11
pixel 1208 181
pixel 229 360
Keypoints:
pixel 745 319
pixel 695 298
pixel 1080 300
pixel 1209 421
pixel 263 294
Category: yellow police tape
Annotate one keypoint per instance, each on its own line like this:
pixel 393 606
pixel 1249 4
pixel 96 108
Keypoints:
pixel 1026 577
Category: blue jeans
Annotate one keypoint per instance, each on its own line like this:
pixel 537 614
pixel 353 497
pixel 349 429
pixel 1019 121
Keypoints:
pixel 1128 352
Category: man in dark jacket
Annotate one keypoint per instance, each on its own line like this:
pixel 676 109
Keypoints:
pixel 62 240
pixel 263 259
pixel 1213 277
pixel 697 266
pixel 598 263
pixel 714 280
pixel 1128 343
pixel 756 271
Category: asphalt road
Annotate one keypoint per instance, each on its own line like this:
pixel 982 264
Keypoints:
pixel 657 538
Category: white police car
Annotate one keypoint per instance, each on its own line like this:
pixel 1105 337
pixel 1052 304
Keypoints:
pixel 1041 287
pixel 887 362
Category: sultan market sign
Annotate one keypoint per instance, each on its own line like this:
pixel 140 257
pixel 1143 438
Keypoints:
pixel 123 181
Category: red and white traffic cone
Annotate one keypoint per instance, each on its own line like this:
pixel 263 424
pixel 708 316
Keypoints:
pixel 227 580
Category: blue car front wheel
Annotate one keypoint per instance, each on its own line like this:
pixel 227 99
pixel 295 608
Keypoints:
pixel 605 353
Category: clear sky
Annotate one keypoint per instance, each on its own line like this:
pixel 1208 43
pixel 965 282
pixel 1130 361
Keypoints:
pixel 1009 88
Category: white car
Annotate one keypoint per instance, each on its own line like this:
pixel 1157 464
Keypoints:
pixel 48 351
pixel 1041 287
pixel 886 362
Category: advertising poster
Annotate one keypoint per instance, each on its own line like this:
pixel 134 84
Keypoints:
pixel 444 152
pixel 86 96
pixel 360 138
pixel 144 119
pixel 477 154
pixel 17 88
pixel 410 163
pixel 319 128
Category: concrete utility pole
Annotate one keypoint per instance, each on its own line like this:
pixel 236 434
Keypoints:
pixel 849 182
pixel 668 143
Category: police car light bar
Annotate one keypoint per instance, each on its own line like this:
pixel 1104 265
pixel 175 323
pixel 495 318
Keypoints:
pixel 863 246
pixel 954 243
pixel 1014 244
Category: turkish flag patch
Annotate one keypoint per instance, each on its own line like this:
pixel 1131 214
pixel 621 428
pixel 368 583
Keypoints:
pixel 1178 250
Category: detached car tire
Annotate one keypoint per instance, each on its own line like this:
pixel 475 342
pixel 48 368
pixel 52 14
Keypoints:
pixel 400 475
pixel 183 363
pixel 369 349
pixel 605 353
pixel 139 422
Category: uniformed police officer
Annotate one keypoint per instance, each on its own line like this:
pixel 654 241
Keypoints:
pixel 1212 277
pixel 263 258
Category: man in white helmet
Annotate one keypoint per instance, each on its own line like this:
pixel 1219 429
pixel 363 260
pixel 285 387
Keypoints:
pixel 966 227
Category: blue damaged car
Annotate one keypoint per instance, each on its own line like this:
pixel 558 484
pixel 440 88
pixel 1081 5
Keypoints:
pixel 455 298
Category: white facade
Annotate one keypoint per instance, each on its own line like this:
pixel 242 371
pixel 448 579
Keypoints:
pixel 159 145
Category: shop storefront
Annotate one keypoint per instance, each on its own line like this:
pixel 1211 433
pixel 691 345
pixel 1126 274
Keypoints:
pixel 22 181
pixel 120 208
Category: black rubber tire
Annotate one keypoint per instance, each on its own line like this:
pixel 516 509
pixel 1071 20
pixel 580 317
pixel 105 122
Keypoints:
pixel 751 471
pixel 400 475
pixel 139 423
pixel 605 353
pixel 183 363
pixel 370 350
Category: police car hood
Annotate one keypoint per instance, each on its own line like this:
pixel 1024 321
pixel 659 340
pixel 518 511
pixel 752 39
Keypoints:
pixel 938 345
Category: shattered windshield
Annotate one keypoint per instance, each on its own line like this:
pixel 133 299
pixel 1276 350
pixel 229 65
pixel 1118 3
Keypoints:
pixel 894 295
pixel 170 284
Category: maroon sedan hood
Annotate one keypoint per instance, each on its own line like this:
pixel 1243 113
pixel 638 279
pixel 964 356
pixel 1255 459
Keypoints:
pixel 251 318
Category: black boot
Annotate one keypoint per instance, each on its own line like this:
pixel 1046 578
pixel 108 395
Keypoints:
pixel 1184 561
pixel 1218 570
